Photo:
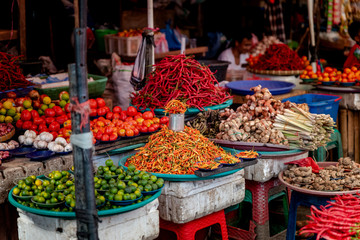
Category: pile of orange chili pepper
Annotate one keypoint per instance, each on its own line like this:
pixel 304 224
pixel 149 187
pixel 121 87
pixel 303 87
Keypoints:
pixel 175 107
pixel 177 152
pixel 247 154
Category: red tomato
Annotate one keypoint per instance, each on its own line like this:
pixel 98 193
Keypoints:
pixel 54 127
pixel 34 114
pixel 93 112
pixel 107 122
pixel 123 115
pixel 116 116
pixel 109 130
pixel 136 132
pixel 148 115
pixel 131 111
pixel 164 120
pixel 55 135
pixel 128 119
pixel 25 115
pixel 117 109
pixel 93 104
pixel 107 109
pixel 101 111
pixel 67 107
pixel 61 119
pixel 19 124
pixel 37 121
pixel 49 112
pixel 49 120
pixel 110 115
pixel 147 123
pixel 121 132
pixel 100 124
pixel 105 138
pixel 151 129
pixel 58 111
pixel 156 126
pixel 68 115
pixel 113 136
pixel 34 127
pixel 140 120
pixel 143 129
pixel 129 133
pixel 100 102
pixel 98 135
pixel 42 126
pixel 27 125
pixel 156 120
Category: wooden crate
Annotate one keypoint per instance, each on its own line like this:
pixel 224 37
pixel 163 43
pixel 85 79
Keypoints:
pixel 349 127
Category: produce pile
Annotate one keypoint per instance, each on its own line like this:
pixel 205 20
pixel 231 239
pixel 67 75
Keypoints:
pixel 4 155
pixel 344 176
pixel 303 129
pixel 5 129
pixel 338 220
pixel 9 145
pixel 175 107
pixel 182 78
pixel 56 192
pixel 207 123
pixel 264 44
pixel 253 121
pixel 182 152
pixel 279 57
pixel 45 140
pixel 10 73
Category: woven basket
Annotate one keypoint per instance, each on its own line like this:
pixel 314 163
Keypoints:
pixel 276 72
pixel 7 136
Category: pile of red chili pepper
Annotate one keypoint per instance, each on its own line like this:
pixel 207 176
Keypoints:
pixel 173 152
pixel 175 107
pixel 183 78
pixel 10 73
pixel 338 220
pixel 279 57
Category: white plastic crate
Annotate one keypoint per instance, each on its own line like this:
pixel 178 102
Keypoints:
pixel 267 167
pixel 142 223
pixel 182 202
pixel 124 46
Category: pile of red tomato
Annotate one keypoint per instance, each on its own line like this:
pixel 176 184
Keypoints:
pixel 125 123
pixel 349 75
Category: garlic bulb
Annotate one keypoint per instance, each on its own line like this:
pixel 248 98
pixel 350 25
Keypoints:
pixel 11 146
pixel 51 146
pixel 61 141
pixel 41 144
pixel 15 143
pixel 21 139
pixel 30 134
pixel 3 146
pixel 68 148
pixel 47 137
pixel 37 138
pixel 29 141
pixel 58 148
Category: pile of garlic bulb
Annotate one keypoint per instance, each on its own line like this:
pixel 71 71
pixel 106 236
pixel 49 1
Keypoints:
pixel 38 141
pixel 60 145
pixel 261 47
pixel 9 146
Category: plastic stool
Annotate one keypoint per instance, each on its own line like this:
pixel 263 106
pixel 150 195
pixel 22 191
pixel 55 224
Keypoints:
pixel 187 231
pixel 297 199
pixel 335 142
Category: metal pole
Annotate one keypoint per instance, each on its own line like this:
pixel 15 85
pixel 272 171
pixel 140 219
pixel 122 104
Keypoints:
pixel 150 19
pixel 86 213
pixel 312 34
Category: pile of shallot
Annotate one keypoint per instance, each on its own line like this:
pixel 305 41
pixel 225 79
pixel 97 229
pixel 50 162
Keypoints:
pixel 5 128
pixel 261 47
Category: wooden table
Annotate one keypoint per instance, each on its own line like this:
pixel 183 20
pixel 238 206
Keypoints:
pixel 240 99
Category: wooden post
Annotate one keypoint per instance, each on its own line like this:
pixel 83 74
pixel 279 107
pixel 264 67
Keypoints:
pixel 86 213
pixel 357 136
pixel 22 27
pixel 351 134
pixel 343 131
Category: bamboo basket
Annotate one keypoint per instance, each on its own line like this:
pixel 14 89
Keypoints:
pixel 7 136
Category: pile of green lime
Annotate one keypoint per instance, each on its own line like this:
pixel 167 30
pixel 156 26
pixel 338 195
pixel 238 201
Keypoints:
pixel 61 180
pixel 28 187
pixel 71 202
pixel 109 170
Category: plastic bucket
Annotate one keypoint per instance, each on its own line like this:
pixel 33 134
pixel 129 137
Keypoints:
pixel 99 36
pixel 319 103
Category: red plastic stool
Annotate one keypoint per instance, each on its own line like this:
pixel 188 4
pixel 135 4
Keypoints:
pixel 260 205
pixel 187 231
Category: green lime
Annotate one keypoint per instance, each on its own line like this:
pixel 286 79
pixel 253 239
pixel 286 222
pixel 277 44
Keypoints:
pixel 109 162
pixel 97 186
pixel 8 119
pixel 62 103
pixel 118 197
pixel 3 111
pixel 2 118
pixel 16 191
pixel 136 178
pixel 131 167
pixel 53 200
pixel 112 180
pixel 145 177
pixel 118 171
pixel 133 188
pixel 133 196
pixel 121 176
pixel 138 193
pixel 147 188
pixel 27 104
pixel 128 190
pixel 11 112
pixel 51 105
pixel 154 186
pixel 141 187
pixel 44 107
pixel 113 190
pixel 111 197
pixel 113 168
pixel 127 196
pixel 41 199
pixel 121 185
pixel 153 178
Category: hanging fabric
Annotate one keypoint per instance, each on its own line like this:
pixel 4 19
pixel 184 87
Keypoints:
pixel 274 19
